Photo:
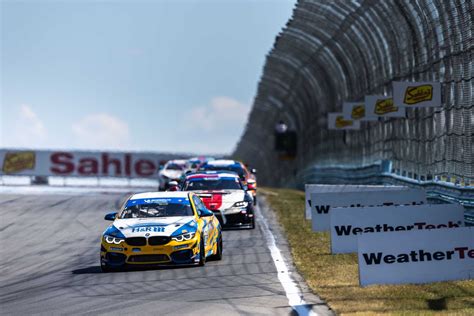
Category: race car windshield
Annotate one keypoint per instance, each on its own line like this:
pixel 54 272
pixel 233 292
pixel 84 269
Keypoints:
pixel 219 184
pixel 237 170
pixel 157 210
pixel 174 166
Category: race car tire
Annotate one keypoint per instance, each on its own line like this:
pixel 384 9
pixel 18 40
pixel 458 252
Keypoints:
pixel 255 200
pixel 202 254
pixel 252 225
pixel 218 255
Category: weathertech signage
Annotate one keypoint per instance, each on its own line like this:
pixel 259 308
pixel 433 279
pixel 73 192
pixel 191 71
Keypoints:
pixel 417 256
pixel 322 203
pixel 348 223
pixel 79 164
pixel 417 94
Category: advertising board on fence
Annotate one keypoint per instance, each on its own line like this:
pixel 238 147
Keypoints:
pixel 348 223
pixel 323 202
pixel 382 106
pixel 356 111
pixel 341 188
pixel 336 121
pixel 417 256
pixel 416 94
pixel 79 163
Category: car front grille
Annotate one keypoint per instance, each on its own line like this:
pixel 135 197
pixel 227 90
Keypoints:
pixel 136 241
pixel 148 258
pixel 158 240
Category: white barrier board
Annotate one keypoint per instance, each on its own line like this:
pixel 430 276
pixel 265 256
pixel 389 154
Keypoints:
pixel 322 188
pixel 323 202
pixel 419 256
pixel 69 163
pixel 348 223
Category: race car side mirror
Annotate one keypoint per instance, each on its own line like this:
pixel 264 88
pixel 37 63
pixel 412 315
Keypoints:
pixel 110 216
pixel 205 213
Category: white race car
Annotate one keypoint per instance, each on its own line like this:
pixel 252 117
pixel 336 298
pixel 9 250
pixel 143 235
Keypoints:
pixel 225 195
pixel 172 171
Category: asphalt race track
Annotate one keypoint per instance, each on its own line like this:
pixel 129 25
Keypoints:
pixel 49 265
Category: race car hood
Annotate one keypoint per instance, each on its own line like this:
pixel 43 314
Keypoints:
pixel 172 174
pixel 221 200
pixel 139 227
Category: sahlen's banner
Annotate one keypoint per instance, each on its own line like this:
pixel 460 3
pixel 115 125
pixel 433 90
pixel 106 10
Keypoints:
pixel 416 256
pixel 322 203
pixel 340 188
pixel 348 223
pixel 80 163
pixel 382 106
pixel 356 111
pixel 336 121
pixel 416 94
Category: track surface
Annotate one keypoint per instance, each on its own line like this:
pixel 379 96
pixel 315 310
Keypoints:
pixel 49 265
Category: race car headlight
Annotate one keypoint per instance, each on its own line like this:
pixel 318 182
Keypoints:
pixel 241 204
pixel 184 237
pixel 113 240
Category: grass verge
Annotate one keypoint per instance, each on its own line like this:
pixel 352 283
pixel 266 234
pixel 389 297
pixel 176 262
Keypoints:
pixel 335 277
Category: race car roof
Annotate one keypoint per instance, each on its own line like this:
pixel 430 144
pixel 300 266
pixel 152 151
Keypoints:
pixel 221 162
pixel 153 195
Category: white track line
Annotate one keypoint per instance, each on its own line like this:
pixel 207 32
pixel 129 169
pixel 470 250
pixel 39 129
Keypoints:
pixel 293 293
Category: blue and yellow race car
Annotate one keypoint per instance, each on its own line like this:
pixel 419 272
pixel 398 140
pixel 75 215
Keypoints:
pixel 160 228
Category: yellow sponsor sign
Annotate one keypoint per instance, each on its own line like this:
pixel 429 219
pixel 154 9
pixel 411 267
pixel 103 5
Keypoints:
pixel 384 106
pixel 341 122
pixel 358 112
pixel 417 94
pixel 15 162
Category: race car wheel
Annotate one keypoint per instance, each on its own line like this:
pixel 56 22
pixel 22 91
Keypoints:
pixel 202 254
pixel 218 254
pixel 252 225
pixel 255 200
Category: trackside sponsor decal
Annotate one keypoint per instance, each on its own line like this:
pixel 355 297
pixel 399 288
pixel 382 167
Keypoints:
pixel 347 223
pixel 345 230
pixel 382 106
pixel 417 94
pixel 419 255
pixel 416 256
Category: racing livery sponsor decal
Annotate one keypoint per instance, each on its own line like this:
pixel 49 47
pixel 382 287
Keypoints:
pixel 15 162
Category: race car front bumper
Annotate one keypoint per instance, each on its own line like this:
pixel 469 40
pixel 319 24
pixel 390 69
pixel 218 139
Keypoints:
pixel 235 217
pixel 171 253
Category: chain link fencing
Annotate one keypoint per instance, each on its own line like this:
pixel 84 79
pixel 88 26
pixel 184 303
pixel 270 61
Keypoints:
pixel 338 50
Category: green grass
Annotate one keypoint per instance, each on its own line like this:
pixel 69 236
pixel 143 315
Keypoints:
pixel 335 277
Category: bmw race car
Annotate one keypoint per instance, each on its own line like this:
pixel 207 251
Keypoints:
pixel 225 195
pixel 248 177
pixel 161 228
